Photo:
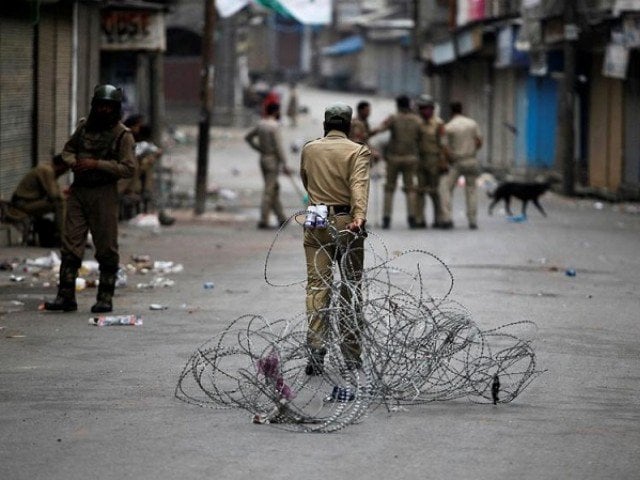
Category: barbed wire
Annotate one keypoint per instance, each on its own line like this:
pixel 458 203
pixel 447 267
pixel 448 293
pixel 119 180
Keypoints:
pixel 415 348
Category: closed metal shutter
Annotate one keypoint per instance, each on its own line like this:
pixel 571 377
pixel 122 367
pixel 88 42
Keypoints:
pixel 16 102
pixel 54 79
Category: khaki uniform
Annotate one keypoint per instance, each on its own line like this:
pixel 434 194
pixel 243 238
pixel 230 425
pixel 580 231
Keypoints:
pixel 360 130
pixel 335 172
pixel 429 168
pixel 460 135
pixel 266 139
pixel 402 155
pixel 38 193
pixel 93 200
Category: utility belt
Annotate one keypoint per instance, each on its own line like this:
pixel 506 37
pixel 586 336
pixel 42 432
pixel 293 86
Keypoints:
pixel 317 214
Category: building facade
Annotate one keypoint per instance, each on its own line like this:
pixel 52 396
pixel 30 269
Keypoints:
pixel 507 62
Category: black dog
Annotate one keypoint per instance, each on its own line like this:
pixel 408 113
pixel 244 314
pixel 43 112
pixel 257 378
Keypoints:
pixel 524 191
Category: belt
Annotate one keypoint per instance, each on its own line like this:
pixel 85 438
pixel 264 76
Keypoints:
pixel 338 209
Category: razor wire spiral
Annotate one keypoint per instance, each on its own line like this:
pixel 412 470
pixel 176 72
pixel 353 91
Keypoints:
pixel 415 349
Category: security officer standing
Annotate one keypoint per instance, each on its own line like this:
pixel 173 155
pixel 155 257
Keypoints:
pixel 335 173
pixel 100 152
pixel 431 158
pixel 38 193
pixel 266 139
pixel 462 140
pixel 402 158
pixel 360 128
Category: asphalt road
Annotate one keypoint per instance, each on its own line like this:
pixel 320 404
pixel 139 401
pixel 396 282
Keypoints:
pixel 79 402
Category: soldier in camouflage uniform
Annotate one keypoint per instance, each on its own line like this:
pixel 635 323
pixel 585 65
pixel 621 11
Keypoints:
pixel 100 152
pixel 335 173
pixel 431 161
pixel 401 155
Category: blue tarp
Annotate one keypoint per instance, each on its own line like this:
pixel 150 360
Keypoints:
pixel 346 46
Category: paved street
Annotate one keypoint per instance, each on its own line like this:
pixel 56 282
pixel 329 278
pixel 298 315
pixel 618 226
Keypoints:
pixel 82 402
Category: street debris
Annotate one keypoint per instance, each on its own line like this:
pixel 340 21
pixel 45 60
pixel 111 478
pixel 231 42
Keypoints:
pixel 157 306
pixel 115 320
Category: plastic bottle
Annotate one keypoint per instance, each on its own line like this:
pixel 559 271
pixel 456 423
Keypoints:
pixel 310 219
pixel 111 320
pixel 322 213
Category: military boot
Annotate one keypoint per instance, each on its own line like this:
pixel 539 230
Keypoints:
pixel 106 287
pixel 65 300
pixel 315 364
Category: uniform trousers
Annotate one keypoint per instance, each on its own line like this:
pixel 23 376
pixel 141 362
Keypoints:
pixel 95 210
pixel 428 180
pixel 323 249
pixel 408 169
pixel 469 168
pixel 271 194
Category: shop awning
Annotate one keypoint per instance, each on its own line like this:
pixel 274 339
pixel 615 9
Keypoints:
pixel 307 12
pixel 345 46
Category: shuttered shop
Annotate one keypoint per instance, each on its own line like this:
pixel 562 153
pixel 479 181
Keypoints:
pixel 16 101
pixel 54 79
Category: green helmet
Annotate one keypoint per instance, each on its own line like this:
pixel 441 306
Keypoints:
pixel 108 93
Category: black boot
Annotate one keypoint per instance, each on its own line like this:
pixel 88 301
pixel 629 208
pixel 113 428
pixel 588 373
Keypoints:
pixel 65 301
pixel 106 287
pixel 386 223
pixel 315 365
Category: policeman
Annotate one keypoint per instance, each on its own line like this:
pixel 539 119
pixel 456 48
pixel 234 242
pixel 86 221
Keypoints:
pixel 462 140
pixel 360 128
pixel 100 151
pixel 266 139
pixel 431 157
pixel 335 173
pixel 38 193
pixel 402 158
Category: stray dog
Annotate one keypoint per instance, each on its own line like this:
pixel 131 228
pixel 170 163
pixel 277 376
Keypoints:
pixel 525 191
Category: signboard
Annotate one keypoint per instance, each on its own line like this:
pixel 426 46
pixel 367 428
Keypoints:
pixel 442 53
pixel 133 30
pixel 616 60
pixel 469 41
pixel 468 11
pixel 631 31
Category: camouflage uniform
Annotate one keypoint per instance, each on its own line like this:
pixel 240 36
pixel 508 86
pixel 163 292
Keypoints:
pixel 429 169
pixel 335 172
pixel 402 155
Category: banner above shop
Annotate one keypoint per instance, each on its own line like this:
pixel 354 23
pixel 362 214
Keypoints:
pixel 133 29
pixel 307 12
pixel 227 8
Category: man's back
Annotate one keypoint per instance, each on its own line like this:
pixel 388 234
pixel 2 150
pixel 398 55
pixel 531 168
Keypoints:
pixel 334 169
pixel 39 182
pixel 405 134
pixel 268 137
pixel 461 135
